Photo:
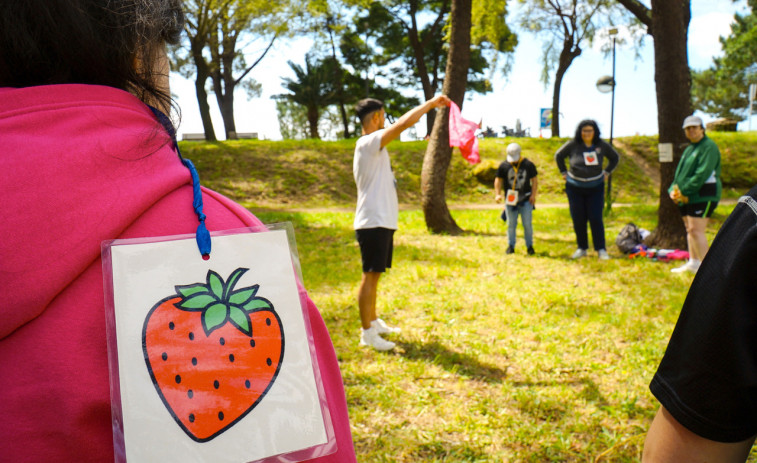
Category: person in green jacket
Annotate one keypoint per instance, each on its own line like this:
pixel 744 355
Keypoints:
pixel 696 188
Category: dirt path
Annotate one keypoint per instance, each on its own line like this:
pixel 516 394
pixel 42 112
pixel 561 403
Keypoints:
pixel 650 171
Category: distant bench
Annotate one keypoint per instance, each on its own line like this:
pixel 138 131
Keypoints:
pixel 201 136
pixel 249 135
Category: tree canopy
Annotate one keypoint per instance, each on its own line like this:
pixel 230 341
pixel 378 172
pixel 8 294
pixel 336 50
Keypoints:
pixel 404 42
pixel 566 25
pixel 723 89
pixel 220 34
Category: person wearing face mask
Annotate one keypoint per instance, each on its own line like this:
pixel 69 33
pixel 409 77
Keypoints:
pixel 696 188
pixel 517 177
pixel 585 178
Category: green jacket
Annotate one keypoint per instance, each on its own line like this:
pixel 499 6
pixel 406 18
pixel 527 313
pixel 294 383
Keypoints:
pixel 698 172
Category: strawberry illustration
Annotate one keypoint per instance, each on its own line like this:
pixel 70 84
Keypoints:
pixel 213 352
pixel 511 198
pixel 590 158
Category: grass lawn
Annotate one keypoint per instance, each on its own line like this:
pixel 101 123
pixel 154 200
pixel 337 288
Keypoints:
pixel 501 357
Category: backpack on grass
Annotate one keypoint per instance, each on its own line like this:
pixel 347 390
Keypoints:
pixel 628 238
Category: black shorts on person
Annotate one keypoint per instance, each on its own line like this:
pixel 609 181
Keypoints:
pixel 698 209
pixel 376 247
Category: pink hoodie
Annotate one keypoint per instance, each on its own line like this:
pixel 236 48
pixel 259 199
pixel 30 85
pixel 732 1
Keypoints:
pixel 81 164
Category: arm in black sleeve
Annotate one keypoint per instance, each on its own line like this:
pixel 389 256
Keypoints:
pixel 561 154
pixel 611 155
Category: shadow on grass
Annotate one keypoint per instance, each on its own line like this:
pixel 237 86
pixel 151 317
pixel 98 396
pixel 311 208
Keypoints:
pixel 589 390
pixel 455 362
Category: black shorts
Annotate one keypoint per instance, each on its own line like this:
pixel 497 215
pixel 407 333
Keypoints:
pixel 376 247
pixel 698 209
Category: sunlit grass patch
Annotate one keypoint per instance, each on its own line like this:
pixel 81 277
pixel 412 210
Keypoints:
pixel 501 357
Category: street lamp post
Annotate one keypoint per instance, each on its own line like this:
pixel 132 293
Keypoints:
pixel 606 84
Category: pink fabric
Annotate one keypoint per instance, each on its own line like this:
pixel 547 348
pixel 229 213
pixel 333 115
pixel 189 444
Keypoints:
pixel 462 134
pixel 82 164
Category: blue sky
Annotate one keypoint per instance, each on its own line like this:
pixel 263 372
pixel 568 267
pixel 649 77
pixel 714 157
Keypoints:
pixel 520 96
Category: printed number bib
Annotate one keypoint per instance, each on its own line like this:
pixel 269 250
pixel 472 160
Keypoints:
pixel 211 360
pixel 591 158
pixel 512 198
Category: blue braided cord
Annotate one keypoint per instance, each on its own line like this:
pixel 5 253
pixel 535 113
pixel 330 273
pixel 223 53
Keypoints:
pixel 202 235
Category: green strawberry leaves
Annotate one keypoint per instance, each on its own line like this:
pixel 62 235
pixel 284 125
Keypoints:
pixel 220 303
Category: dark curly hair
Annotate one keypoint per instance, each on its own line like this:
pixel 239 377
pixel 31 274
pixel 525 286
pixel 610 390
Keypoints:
pixel 586 122
pixel 100 42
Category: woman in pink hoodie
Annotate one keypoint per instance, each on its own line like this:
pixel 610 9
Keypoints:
pixel 84 159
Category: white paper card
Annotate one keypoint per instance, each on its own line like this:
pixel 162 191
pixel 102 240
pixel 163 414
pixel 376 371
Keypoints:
pixel 194 386
pixel 591 158
pixel 512 198
pixel 666 152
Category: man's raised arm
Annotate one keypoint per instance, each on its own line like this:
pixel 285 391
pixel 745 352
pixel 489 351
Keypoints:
pixel 411 117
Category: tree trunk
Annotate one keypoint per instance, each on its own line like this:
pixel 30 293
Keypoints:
pixel 202 95
pixel 567 55
pixel 439 153
pixel 419 52
pixel 313 117
pixel 670 23
pixel 224 85
pixel 226 105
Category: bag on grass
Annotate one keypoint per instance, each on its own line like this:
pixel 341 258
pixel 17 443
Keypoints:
pixel 628 238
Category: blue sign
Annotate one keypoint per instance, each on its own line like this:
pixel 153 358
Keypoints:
pixel 545 118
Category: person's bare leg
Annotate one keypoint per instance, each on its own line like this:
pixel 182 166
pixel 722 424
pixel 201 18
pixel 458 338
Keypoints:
pixel 689 244
pixel 669 441
pixel 367 298
pixel 696 237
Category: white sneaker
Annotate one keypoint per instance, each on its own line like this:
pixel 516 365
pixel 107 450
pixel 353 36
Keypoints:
pixel 579 254
pixel 382 328
pixel 690 266
pixel 370 337
pixel 603 254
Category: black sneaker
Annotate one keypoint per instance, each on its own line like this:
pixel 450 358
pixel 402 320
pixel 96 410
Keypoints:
pixel 531 251
pixel 510 250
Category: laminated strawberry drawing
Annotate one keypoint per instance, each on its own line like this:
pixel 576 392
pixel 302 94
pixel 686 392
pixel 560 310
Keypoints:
pixel 213 352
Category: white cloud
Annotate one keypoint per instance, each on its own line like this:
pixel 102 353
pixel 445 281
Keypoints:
pixel 704 32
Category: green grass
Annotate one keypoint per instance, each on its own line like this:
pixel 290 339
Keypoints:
pixel 314 173
pixel 501 358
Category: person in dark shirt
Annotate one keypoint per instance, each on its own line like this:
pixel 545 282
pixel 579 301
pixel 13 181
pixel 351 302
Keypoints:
pixel 585 184
pixel 517 177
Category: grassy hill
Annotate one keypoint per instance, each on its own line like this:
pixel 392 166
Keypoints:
pixel 314 173
pixel 501 357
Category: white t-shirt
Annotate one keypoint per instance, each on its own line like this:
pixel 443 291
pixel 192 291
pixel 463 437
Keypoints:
pixel 377 204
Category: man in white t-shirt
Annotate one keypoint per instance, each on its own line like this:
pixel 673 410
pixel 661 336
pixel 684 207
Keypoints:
pixel 377 207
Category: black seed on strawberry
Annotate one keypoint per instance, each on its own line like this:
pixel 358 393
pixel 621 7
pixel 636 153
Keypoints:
pixel 268 361
pixel 247 384
pixel 252 343
pixel 231 358
pixel 268 321
pixel 222 341
pixel 190 393
pixel 191 418
pixel 216 384
pixel 220 416
pixel 171 326
pixel 191 336
pixel 178 379
pixel 194 360
pixel 164 356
